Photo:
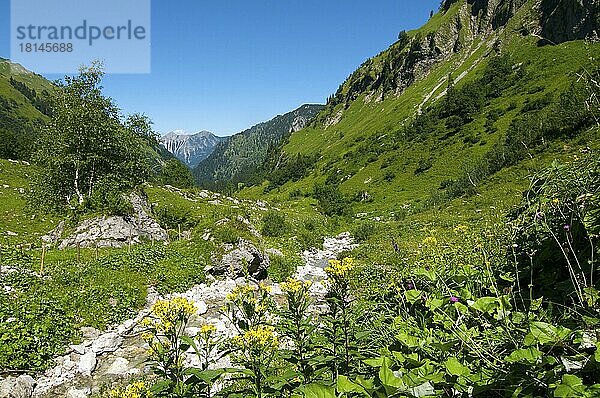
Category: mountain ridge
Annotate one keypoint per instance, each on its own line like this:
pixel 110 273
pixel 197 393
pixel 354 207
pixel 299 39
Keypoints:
pixel 235 158
pixel 190 148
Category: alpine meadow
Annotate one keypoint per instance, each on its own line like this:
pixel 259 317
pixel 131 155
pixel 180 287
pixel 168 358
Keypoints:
pixel 431 230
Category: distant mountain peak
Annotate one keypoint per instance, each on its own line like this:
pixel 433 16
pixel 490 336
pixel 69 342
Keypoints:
pixel 190 148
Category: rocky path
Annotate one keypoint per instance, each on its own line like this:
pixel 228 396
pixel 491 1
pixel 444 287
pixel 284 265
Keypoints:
pixel 120 353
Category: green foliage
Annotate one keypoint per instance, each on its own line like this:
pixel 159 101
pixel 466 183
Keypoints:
pixel 174 216
pixel 41 315
pixel 364 231
pixel 283 267
pixel 273 224
pixel 331 200
pixel 86 145
pixel 556 229
pixel 175 173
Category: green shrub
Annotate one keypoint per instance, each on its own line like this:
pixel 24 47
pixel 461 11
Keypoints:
pixel 364 231
pixel 174 216
pixel 283 267
pixel 331 200
pixel 273 224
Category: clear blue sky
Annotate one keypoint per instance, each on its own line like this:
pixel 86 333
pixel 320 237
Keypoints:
pixel 224 66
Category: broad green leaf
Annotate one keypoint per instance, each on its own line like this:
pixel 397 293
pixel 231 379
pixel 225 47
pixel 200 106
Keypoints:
pixel 412 296
pixel 570 387
pixel 545 333
pixel 486 304
pixel 318 391
pixel 387 377
pixel 527 355
pixel 455 368
pixel 373 362
pixel 344 384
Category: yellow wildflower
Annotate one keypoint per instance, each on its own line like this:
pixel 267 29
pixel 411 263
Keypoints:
pixel 208 329
pixel 240 292
pixel 430 241
pixel 261 337
pixel 137 389
pixel 340 268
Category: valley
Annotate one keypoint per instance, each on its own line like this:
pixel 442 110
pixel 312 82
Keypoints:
pixel 432 230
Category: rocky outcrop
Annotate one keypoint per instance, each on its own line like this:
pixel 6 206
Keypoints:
pixel 17 387
pixel 564 20
pixel 241 260
pixel 116 231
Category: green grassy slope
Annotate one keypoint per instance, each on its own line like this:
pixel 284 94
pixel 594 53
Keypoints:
pixel 366 149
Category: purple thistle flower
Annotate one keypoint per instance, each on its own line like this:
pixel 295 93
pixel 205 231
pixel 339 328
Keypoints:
pixel 567 227
pixel 410 286
pixel 453 299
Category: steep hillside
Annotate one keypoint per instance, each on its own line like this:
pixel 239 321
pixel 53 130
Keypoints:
pixel 392 139
pixel 191 149
pixel 236 158
pixel 23 107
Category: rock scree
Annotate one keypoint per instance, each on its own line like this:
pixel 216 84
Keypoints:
pixel 119 353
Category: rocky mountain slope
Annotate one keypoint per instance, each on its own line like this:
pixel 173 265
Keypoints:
pixel 390 138
pixel 191 149
pixel 237 156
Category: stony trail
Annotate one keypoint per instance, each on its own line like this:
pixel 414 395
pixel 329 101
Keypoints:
pixel 119 353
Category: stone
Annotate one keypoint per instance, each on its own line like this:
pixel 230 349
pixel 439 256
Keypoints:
pixel 244 258
pixel 17 387
pixel 120 366
pixel 54 235
pixel 118 231
pixel 78 348
pixel 87 363
pixel 108 342
pixel 78 392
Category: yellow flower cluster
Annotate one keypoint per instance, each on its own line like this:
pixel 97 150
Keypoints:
pixel 430 241
pixel 460 229
pixel 340 268
pixel 261 337
pixel 294 286
pixel 169 312
pixel 137 389
pixel 207 329
pixel 177 306
pixel 241 292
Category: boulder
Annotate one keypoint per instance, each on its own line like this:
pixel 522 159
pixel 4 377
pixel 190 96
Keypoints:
pixel 17 387
pixel 117 231
pixel 87 363
pixel 243 259
pixel 108 342
pixel 78 392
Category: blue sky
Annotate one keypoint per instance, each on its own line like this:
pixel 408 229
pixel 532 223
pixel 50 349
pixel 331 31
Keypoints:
pixel 224 66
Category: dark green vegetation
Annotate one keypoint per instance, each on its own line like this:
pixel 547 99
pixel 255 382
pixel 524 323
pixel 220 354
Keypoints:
pixel 24 107
pixel 237 160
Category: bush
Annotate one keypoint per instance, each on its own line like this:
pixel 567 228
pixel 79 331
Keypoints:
pixel 282 267
pixel 273 224
pixel 331 200
pixel 175 216
pixel 364 231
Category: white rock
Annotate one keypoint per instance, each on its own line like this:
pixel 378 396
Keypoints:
pixel 120 366
pixel 17 387
pixel 78 393
pixel 87 363
pixel 78 348
pixel 108 342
